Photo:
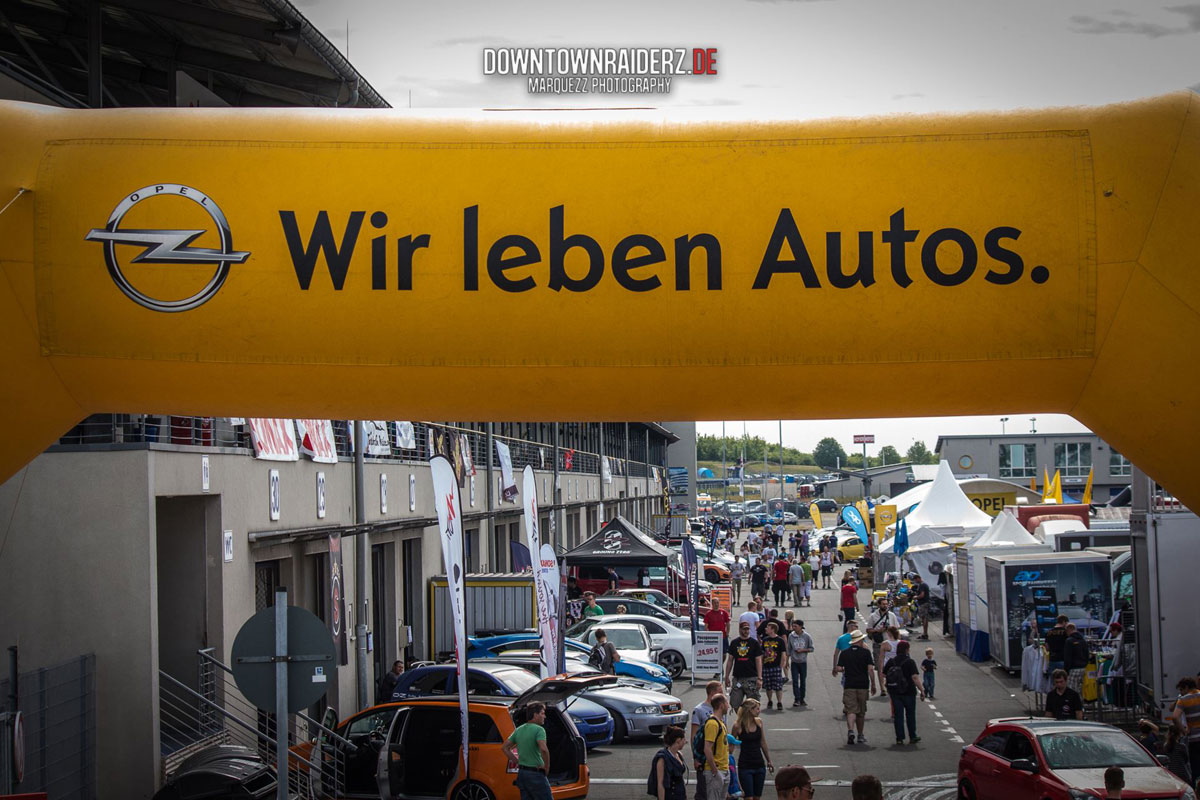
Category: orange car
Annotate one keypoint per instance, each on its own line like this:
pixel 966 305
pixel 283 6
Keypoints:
pixel 411 748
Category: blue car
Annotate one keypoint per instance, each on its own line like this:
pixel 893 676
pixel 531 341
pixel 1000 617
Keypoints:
pixel 491 646
pixel 594 722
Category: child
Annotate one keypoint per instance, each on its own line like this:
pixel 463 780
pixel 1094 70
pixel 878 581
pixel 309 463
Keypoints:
pixel 927 668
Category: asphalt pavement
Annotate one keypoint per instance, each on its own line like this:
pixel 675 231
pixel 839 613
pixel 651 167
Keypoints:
pixel 967 695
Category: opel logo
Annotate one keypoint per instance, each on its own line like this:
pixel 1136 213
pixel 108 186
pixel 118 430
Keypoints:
pixel 166 246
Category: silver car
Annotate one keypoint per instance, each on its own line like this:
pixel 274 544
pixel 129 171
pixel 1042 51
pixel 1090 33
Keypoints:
pixel 636 713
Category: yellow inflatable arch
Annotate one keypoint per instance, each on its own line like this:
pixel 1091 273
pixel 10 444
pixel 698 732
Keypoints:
pixel 376 264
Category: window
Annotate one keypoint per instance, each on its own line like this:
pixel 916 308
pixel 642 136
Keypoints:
pixel 1119 464
pixel 376 720
pixel 1093 750
pixel 432 682
pixel 1019 746
pixel 1073 459
pixel 994 743
pixel 483 686
pixel 1017 461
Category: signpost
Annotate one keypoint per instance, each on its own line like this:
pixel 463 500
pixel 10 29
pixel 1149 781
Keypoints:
pixel 865 439
pixel 283 659
pixel 706 653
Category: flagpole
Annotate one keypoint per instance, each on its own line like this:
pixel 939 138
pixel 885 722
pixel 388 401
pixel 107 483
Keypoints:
pixel 724 469
pixel 782 492
pixel 742 476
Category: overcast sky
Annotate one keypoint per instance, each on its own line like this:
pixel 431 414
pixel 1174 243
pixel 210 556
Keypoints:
pixel 802 59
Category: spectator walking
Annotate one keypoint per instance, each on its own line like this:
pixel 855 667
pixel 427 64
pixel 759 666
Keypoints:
pixel 717 619
pixel 668 767
pixel 743 665
pixel 1063 702
pixel 716 750
pixel 928 668
pixel 774 660
pixel 526 749
pixel 921 597
pixel 806 581
pixel 866 787
pixel 793 783
pixel 840 644
pixel 780 583
pixel 736 573
pixel 772 616
pixel 887 651
pixel 758 577
pixel 1114 783
pixel 1187 717
pixel 614 580
pixel 1176 750
pixel 800 644
pixel 795 575
pixel 754 757
pixel 826 567
pixel 1075 657
pixel 590 608
pixel 700 713
pixel 750 617
pixel 878 622
pixel 900 675
pixel 604 655
pixel 387 684
pixel 849 603
pixel 856 663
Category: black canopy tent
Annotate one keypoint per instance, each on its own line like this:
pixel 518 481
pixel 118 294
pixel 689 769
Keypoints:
pixel 619 543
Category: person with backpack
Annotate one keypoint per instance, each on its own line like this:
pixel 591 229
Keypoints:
pixel 902 687
pixel 604 655
pixel 700 713
pixel 668 772
pixel 1075 657
pixel 715 754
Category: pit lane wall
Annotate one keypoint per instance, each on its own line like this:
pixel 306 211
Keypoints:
pixel 316 263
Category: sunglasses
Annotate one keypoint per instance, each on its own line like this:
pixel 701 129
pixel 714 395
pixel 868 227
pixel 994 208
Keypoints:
pixel 808 787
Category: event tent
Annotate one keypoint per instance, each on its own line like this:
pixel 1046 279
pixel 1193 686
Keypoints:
pixel 1006 536
pixel 912 498
pixel 619 543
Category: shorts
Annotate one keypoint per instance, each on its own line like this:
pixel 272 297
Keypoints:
pixel 773 679
pixel 922 612
pixel 854 701
pixel 806 588
pixel 826 571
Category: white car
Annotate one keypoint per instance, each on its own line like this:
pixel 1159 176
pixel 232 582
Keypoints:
pixel 630 638
pixel 674 645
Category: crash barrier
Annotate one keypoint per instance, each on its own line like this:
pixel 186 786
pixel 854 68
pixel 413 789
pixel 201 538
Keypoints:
pixel 320 264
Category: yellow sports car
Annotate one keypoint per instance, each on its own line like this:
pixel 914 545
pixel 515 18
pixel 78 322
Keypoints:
pixel 850 547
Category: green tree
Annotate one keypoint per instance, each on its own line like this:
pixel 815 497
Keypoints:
pixel 889 455
pixel 827 452
pixel 919 454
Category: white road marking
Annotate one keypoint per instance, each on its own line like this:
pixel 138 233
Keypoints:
pixel 958 739
pixel 791 729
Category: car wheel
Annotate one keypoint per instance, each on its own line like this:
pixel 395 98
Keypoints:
pixel 620 731
pixel 672 662
pixel 965 790
pixel 711 576
pixel 472 790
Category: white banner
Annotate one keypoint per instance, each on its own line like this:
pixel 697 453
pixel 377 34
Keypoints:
pixel 707 653
pixel 316 440
pixel 406 436
pixel 449 511
pixel 376 434
pixel 274 439
pixel 605 470
pixel 464 450
pixel 508 482
pixel 550 578
pixel 546 616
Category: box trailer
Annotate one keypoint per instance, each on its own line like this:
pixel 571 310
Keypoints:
pixel 1033 589
pixel 971 637
pixel 496 603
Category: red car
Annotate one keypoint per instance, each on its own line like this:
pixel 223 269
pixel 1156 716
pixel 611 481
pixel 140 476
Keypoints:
pixel 1047 759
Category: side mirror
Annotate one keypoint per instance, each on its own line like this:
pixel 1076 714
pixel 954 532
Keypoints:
pixel 1164 760
pixel 1025 765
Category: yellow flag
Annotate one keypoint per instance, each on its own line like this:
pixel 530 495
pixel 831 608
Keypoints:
pixel 885 515
pixel 1045 485
pixel 1087 490
pixel 815 514
pixel 1032 483
pixel 1057 487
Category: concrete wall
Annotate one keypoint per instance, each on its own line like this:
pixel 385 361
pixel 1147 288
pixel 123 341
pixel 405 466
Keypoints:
pixel 78 575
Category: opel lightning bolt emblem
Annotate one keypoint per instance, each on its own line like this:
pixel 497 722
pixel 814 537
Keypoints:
pixel 161 246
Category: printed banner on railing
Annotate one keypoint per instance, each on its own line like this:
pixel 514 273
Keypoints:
pixel 449 511
pixel 605 470
pixel 508 483
pixel 464 451
pixel 406 436
pixel 337 599
pixel 376 433
pixel 316 440
pixel 274 439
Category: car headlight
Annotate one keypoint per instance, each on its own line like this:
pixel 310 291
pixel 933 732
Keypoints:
pixel 646 710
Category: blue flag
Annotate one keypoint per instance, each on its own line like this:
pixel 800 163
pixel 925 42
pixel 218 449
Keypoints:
pixel 520 556
pixel 691 574
pixel 854 519
pixel 901 544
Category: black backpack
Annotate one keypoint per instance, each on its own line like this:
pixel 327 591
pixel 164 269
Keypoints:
pixel 895 678
pixel 1075 652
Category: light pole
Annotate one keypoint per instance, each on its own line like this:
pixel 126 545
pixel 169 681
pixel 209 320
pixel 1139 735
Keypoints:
pixel 1033 424
pixel 1002 421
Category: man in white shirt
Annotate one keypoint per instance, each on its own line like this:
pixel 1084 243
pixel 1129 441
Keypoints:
pixel 750 617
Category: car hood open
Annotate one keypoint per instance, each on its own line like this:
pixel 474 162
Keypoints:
pixel 557 688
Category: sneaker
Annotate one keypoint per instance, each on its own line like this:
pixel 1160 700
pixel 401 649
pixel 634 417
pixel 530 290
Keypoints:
pixel 899 741
pixel 923 638
pixel 797 704
pixel 914 740
pixel 850 737
pixel 862 739
pixel 803 703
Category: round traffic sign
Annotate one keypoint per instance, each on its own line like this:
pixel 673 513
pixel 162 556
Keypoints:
pixel 311 661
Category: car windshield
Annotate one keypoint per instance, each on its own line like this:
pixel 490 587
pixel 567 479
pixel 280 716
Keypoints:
pixel 626 639
pixel 516 679
pixel 1093 750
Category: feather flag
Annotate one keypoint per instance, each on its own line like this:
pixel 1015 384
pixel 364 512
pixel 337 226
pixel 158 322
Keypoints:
pixel 901 545
pixel 1087 490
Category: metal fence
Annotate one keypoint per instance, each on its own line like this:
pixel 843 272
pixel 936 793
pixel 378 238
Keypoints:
pixel 58 706
pixel 216 713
